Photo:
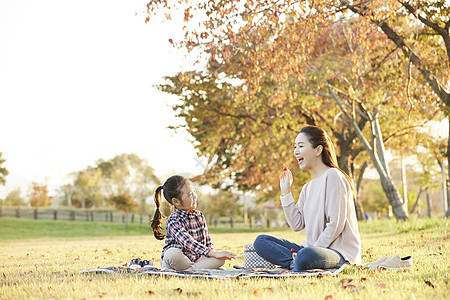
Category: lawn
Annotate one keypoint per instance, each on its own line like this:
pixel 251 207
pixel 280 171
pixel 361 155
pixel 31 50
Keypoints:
pixel 48 267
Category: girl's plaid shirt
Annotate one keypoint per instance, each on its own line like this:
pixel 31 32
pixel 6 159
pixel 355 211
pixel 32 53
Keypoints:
pixel 187 230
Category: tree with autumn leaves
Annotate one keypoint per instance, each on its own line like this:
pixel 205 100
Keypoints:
pixel 124 182
pixel 275 66
pixel 39 196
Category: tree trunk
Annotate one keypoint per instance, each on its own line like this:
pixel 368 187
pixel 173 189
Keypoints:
pixel 417 201
pixel 144 211
pixel 358 205
pixel 404 184
pixel 344 155
pixel 359 210
pixel 447 213
pixel 428 205
pixel 245 209
pixel 69 198
pixel 344 164
pixel 444 187
pixel 360 177
pixel 394 198
pixel 378 147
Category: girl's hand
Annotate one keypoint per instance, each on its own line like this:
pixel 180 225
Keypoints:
pixel 221 254
pixel 286 181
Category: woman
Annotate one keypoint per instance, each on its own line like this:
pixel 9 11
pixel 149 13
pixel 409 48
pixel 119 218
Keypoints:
pixel 325 210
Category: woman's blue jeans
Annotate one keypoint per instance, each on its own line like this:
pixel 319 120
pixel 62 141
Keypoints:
pixel 278 252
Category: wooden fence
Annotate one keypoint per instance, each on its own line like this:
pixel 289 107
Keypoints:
pixel 73 215
pixel 98 215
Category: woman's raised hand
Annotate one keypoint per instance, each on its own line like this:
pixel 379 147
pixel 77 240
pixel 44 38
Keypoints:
pixel 286 181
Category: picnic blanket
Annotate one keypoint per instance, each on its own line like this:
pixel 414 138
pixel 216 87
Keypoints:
pixel 217 274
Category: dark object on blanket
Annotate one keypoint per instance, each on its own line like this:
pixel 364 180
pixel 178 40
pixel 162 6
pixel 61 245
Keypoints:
pixel 139 263
pixel 239 267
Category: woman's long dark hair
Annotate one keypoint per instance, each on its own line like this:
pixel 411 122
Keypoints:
pixel 317 136
pixel 171 189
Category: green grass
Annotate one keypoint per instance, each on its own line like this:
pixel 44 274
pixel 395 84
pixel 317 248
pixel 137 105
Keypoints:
pixel 47 265
pixel 14 228
pixel 391 225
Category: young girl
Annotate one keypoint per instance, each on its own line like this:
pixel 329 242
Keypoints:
pixel 325 210
pixel 188 243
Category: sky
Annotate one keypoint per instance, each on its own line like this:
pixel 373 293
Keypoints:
pixel 77 85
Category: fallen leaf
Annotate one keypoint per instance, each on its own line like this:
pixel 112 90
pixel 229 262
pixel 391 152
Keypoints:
pixel 256 292
pixel 429 283
pixel 349 286
pixel 363 278
pixel 345 280
pixel 373 275
pixel 149 292
pixel 354 287
pixel 328 297
pixel 178 290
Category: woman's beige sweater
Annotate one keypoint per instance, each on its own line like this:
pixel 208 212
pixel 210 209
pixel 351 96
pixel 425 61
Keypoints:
pixel 326 211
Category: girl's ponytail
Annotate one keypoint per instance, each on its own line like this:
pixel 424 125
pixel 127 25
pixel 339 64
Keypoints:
pixel 157 218
pixel 171 189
